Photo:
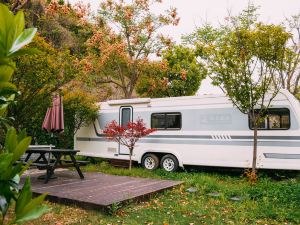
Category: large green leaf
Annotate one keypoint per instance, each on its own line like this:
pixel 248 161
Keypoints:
pixel 16 179
pixel 15 173
pixel 5 73
pixel 35 213
pixel 24 197
pixel 27 209
pixel 11 140
pixel 13 183
pixel 7 61
pixel 24 38
pixel 19 22
pixel 21 148
pixel 6 88
pixel 6 22
pixel 5 162
pixel 15 30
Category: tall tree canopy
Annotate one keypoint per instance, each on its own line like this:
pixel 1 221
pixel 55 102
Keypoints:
pixel 179 74
pixel 64 25
pixel 119 51
pixel 245 58
pixel 50 71
pixel 63 31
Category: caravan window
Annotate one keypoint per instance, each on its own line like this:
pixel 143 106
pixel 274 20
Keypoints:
pixel 125 116
pixel 166 121
pixel 276 119
pixel 158 121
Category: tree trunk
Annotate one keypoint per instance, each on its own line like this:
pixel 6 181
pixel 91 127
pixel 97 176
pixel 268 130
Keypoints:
pixel 130 155
pixel 254 148
pixel 126 93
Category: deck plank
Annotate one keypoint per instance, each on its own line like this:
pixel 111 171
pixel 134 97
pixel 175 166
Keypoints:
pixel 97 190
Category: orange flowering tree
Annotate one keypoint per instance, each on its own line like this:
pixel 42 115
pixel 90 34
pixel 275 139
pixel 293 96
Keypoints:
pixel 126 35
pixel 63 30
pixel 127 136
pixel 51 71
pixel 64 25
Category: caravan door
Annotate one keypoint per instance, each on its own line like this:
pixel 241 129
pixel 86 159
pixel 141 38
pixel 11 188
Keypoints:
pixel 125 116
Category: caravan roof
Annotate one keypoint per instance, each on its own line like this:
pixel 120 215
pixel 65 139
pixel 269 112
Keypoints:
pixel 210 99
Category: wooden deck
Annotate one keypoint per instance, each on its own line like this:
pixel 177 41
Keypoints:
pixel 97 190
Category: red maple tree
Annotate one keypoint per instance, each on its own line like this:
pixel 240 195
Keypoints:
pixel 127 136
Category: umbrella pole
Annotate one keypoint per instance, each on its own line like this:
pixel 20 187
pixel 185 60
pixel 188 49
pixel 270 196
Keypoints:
pixel 51 139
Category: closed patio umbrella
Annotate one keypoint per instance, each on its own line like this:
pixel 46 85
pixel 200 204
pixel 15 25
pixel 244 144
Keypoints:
pixel 54 119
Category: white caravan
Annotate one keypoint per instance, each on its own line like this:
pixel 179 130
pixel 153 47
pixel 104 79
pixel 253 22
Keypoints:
pixel 199 130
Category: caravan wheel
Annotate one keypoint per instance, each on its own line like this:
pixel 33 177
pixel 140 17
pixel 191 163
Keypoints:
pixel 150 161
pixel 169 163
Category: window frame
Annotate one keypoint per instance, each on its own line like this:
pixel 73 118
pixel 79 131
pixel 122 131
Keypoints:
pixel 165 118
pixel 268 128
pixel 120 113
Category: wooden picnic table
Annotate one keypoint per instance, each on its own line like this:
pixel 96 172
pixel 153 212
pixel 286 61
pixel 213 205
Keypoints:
pixel 45 161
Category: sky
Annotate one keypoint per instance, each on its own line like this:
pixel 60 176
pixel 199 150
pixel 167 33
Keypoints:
pixel 193 13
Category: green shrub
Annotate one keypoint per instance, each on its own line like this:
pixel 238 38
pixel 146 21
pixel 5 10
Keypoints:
pixel 13 37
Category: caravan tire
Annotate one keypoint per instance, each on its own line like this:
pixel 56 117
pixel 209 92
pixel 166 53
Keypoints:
pixel 150 161
pixel 169 163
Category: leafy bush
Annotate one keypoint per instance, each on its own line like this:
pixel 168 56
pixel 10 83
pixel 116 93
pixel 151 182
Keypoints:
pixel 26 208
pixel 12 38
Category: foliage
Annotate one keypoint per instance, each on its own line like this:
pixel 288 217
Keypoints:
pixel 80 109
pixel 178 74
pixel 46 72
pixel 118 58
pixel 154 82
pixel 65 26
pixel 63 30
pixel 26 208
pixel 127 136
pixel 13 37
pixel 245 58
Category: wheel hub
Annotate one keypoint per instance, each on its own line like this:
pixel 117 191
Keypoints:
pixel 149 163
pixel 168 164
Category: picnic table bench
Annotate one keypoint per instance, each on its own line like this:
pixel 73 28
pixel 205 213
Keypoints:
pixel 51 158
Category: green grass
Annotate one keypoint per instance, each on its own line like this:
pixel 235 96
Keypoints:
pixel 266 202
